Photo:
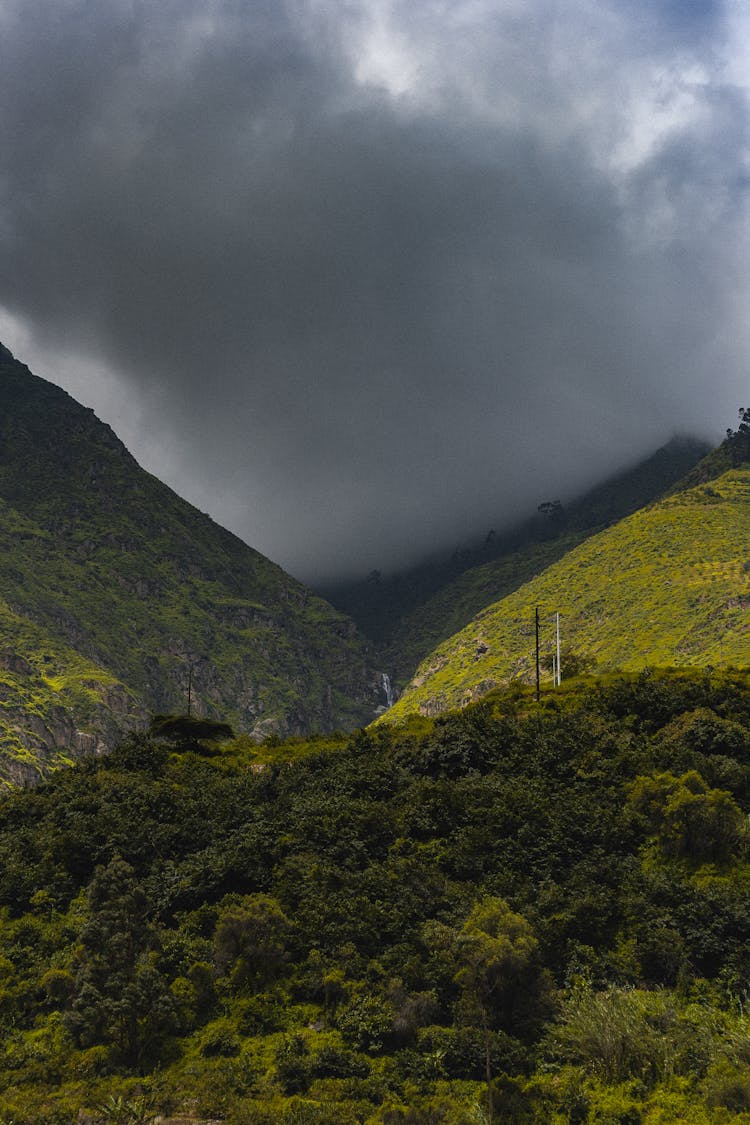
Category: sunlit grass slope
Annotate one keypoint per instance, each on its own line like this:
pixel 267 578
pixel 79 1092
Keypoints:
pixel 668 586
pixel 520 555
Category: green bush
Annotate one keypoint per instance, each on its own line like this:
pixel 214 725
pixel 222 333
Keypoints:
pixel 616 1034
pixel 727 1085
pixel 293 1064
pixel 365 1021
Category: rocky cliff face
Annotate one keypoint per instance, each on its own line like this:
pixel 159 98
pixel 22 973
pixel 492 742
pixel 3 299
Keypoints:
pixel 116 595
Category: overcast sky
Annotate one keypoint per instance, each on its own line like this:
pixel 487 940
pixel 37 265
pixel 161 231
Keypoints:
pixel 364 277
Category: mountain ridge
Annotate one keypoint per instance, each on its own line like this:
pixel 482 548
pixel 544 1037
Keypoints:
pixel 147 591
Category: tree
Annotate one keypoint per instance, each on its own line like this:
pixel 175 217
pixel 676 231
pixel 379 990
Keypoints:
pixel 495 955
pixel 554 516
pixel 250 940
pixel 190 733
pixel 739 439
pixel 689 820
pixel 121 998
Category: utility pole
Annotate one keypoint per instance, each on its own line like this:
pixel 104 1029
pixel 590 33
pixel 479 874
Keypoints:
pixel 190 686
pixel 536 624
pixel 558 676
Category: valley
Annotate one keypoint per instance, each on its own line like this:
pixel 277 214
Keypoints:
pixel 300 895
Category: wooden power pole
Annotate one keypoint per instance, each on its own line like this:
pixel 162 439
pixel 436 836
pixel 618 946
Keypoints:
pixel 536 624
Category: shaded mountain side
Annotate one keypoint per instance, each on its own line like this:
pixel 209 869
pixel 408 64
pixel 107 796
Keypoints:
pixel 410 613
pixel 115 570
pixel 668 585
pixel 55 705
pixel 733 452
pixel 453 607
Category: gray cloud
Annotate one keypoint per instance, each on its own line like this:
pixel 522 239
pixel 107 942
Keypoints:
pixel 367 277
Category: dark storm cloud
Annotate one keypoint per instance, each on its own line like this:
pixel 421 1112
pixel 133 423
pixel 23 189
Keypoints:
pixel 374 276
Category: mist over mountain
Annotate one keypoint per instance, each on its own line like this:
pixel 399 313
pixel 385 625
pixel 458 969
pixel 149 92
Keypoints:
pixel 410 611
pixel 355 278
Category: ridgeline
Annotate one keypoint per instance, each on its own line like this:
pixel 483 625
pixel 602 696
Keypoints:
pixel 115 594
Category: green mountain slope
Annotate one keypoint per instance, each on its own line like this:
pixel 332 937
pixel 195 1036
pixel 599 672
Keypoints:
pixel 114 593
pixel 669 585
pixel 531 549
pixel 409 613
pixel 453 607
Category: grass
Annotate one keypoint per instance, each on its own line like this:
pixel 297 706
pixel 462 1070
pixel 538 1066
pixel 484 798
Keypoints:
pixel 668 586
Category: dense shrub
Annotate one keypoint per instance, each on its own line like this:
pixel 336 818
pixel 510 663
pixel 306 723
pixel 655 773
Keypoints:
pixel 543 908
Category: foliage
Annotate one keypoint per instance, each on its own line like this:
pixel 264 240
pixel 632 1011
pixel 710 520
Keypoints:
pixel 495 953
pixel 120 999
pixel 250 940
pixel 189 732
pixel 518 912
pixel 123 1111
pixel 617 1033
pixel 689 820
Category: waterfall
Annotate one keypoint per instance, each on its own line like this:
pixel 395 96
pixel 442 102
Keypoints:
pixel 385 679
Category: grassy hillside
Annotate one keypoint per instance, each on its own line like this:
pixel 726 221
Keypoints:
pixel 107 574
pixel 408 614
pixel 531 914
pixel 449 610
pixel 527 552
pixel 669 585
